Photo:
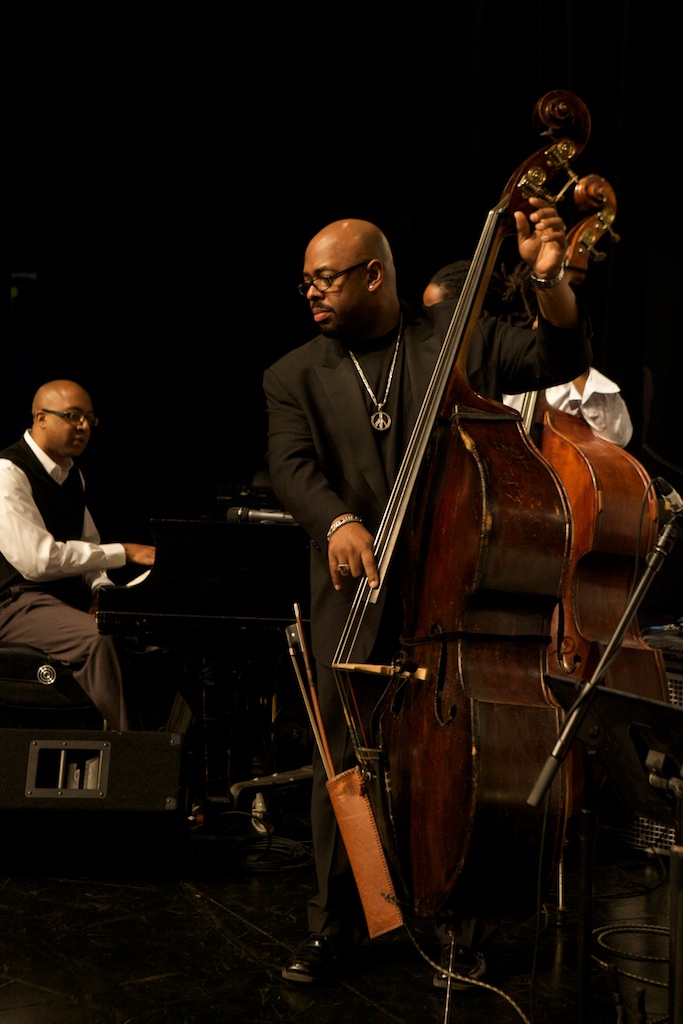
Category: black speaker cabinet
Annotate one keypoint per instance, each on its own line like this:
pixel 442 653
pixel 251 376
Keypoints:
pixel 89 799
pixel 95 771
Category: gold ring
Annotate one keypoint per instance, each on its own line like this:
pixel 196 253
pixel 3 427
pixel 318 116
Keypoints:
pixel 343 569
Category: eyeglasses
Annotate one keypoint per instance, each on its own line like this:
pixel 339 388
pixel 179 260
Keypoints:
pixel 77 419
pixel 323 284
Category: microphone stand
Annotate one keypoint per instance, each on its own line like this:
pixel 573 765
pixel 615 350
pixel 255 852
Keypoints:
pixel 573 722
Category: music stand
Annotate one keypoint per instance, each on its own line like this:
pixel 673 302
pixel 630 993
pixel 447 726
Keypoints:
pixel 639 743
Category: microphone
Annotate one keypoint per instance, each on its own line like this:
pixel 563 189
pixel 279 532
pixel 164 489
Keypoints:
pixel 242 514
pixel 670 496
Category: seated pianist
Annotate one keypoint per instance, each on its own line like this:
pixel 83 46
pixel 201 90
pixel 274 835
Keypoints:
pixel 53 564
pixel 188 613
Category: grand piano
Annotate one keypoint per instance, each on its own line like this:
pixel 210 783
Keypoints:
pixel 217 601
pixel 209 575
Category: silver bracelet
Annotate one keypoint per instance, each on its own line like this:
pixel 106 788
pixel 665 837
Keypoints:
pixel 548 282
pixel 342 522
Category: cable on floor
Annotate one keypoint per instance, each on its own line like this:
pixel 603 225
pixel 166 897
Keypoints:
pixel 470 981
pixel 626 929
pixel 263 852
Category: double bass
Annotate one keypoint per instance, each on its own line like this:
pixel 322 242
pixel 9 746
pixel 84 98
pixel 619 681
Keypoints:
pixel 613 515
pixel 613 508
pixel 477 532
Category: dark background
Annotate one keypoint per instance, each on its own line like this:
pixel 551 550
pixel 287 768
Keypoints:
pixel 165 176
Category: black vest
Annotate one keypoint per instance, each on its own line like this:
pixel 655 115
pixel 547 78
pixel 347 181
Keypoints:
pixel 62 507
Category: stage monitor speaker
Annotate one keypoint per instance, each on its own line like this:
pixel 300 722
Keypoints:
pixel 84 770
pixel 93 801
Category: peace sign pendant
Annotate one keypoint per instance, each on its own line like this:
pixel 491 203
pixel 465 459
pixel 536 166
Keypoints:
pixel 380 420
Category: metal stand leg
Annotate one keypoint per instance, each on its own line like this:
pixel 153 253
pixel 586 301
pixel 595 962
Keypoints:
pixel 587 829
pixel 561 908
pixel 676 919
pixel 449 982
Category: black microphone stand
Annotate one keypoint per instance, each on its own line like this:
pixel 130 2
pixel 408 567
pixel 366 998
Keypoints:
pixel 575 718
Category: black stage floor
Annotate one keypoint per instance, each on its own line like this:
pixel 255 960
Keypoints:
pixel 126 922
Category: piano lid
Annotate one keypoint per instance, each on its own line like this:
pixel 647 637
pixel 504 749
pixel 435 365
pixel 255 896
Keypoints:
pixel 210 572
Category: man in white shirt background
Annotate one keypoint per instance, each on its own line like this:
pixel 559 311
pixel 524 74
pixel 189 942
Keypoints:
pixel 592 396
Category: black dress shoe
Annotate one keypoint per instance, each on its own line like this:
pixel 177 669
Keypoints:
pixel 466 963
pixel 314 962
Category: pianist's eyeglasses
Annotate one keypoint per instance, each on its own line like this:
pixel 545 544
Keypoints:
pixel 323 284
pixel 76 418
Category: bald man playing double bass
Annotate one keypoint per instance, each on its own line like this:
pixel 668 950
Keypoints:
pixel 341 409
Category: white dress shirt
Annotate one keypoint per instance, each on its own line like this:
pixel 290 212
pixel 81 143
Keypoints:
pixel 600 405
pixel 31 549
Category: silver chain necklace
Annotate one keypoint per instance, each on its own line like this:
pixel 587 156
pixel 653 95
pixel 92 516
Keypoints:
pixel 380 420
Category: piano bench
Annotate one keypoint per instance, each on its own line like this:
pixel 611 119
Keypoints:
pixel 39 692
